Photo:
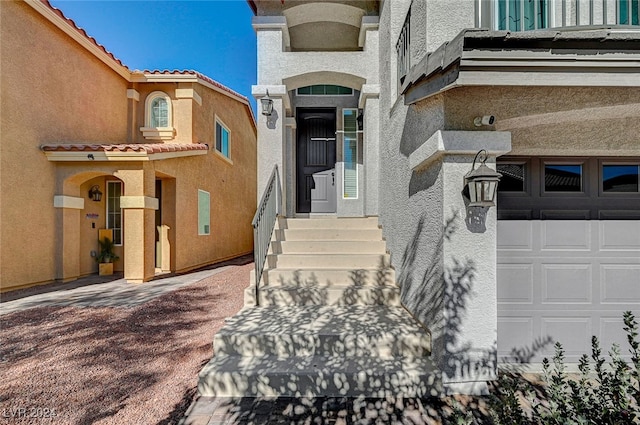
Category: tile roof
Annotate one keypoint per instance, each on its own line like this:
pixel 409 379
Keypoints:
pixel 72 23
pixel 149 148
pixel 195 74
pixel 198 75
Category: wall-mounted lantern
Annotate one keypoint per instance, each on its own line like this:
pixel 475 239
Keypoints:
pixel 95 194
pixel 267 105
pixel 360 119
pixel 482 182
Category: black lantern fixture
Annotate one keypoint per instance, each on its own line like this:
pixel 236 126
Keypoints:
pixel 360 119
pixel 267 105
pixel 482 182
pixel 95 194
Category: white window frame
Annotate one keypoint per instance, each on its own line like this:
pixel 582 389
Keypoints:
pixel 157 133
pixel 206 231
pixel 109 224
pixel 217 122
pixel 355 132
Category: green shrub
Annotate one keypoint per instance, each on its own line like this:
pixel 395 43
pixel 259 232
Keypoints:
pixel 606 393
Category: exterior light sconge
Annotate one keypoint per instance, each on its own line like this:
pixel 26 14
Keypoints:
pixel 267 105
pixel 360 119
pixel 95 194
pixel 482 182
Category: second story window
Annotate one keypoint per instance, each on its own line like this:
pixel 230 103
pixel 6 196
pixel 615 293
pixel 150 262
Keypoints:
pixel 158 117
pixel 522 15
pixel 222 139
pixel 159 112
pixel 403 52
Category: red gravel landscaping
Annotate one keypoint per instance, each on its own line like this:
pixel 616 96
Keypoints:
pixel 114 365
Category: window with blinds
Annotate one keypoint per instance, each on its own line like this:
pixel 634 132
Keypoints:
pixel 350 153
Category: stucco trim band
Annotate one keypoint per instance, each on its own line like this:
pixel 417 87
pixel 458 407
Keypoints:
pixel 272 23
pixel 71 202
pixel 442 143
pixel 139 202
pixel 260 91
pixel 369 23
pixel 369 91
pixel 133 94
pixel 189 94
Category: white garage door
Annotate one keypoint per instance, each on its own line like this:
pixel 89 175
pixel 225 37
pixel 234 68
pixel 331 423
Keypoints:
pixel 566 280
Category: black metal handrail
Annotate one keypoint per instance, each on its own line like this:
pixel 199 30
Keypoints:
pixel 263 224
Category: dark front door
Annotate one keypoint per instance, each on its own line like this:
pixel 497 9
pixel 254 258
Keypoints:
pixel 316 161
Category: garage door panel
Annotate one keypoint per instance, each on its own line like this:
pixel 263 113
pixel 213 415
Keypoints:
pixel 612 332
pixel 575 281
pixel 574 333
pixel 517 235
pixel 620 283
pixel 566 283
pixel 518 331
pixel 619 235
pixel 518 283
pixel 565 235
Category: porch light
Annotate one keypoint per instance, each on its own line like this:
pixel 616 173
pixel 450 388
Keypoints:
pixel 482 182
pixel 267 105
pixel 95 194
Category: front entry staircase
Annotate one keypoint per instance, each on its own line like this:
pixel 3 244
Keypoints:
pixel 329 321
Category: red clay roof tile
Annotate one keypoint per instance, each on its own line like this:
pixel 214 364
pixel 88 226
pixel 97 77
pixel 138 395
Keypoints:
pixel 133 147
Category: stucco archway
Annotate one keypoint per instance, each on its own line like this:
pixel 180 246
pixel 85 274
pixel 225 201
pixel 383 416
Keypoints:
pixel 79 219
pixel 324 77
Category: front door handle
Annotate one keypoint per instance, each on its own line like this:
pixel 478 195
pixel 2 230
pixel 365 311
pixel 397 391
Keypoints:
pixel 333 178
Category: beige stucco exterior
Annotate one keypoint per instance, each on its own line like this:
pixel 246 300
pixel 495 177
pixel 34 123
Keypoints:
pixel 552 120
pixel 59 89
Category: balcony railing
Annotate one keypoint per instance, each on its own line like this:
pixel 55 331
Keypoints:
pixel 527 15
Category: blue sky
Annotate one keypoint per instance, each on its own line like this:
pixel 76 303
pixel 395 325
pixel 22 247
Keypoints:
pixel 213 37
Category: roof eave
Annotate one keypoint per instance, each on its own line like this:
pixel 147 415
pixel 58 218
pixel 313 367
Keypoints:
pixel 74 32
pixel 481 57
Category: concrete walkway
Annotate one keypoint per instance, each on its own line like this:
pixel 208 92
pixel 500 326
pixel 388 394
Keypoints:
pixel 109 291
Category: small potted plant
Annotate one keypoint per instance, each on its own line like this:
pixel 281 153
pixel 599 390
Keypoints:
pixel 106 256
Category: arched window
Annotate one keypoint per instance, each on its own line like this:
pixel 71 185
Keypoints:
pixel 158 117
pixel 159 112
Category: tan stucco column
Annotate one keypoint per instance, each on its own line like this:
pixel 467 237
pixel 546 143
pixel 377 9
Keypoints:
pixel 68 210
pixel 139 223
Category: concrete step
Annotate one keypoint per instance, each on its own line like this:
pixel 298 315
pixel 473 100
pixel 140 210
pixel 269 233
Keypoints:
pixel 328 247
pixel 328 261
pixel 356 331
pixel 327 277
pixel 329 234
pixel 270 376
pixel 284 295
pixel 329 223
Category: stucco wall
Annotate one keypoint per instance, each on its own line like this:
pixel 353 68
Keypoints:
pixel 181 110
pixel 53 91
pixel 553 120
pixel 231 184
